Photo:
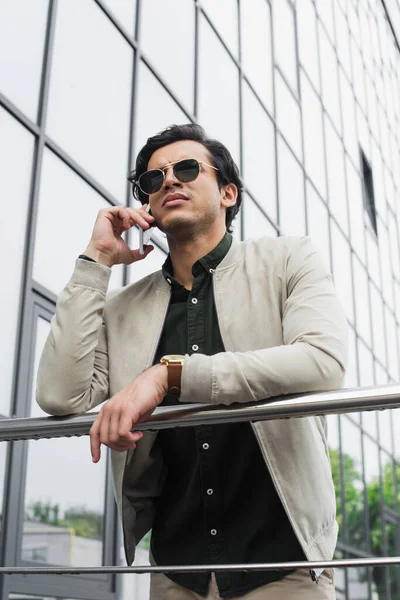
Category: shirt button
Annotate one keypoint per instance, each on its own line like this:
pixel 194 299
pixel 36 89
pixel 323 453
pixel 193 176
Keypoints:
pixel 195 347
pixel 206 446
pixel 213 532
pixel 210 492
pixel 212 271
pixel 169 281
pixel 194 300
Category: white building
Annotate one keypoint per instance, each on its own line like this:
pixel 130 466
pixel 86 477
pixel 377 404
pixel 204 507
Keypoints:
pixel 306 95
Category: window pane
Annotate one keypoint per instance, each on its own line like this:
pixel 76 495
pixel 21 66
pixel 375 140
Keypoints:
pixel 125 11
pixel 63 507
pixel 378 326
pixel 288 116
pixel 342 38
pixel 325 13
pixel 342 276
pixel 259 153
pixel 393 362
pixel 256 48
pixel 318 223
pixel 313 137
pixel 88 117
pixel 256 224
pixel 16 153
pixel 172 55
pixel 363 317
pixel 284 43
pixel 308 43
pixel 22 37
pixel 336 176
pixel 351 380
pixel 365 364
pixel 353 480
pixel 348 115
pixel 217 72
pixel 329 74
pixel 292 213
pixel 224 16
pixel 371 466
pixel 156 109
pixel 356 210
pixel 67 211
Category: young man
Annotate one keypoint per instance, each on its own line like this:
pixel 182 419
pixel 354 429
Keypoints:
pixel 248 321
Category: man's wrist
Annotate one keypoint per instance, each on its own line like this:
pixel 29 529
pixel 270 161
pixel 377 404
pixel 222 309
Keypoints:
pixel 98 256
pixel 162 376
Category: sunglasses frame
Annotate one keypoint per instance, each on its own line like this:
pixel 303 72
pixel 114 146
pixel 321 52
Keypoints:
pixel 172 164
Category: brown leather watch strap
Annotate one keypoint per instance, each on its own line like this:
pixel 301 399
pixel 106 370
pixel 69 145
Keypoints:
pixel 174 378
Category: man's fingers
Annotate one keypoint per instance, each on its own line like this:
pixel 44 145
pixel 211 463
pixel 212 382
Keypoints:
pixel 95 440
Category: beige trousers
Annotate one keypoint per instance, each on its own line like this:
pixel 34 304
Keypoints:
pixel 295 586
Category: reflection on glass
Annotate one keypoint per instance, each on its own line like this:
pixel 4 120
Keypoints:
pixel 155 110
pixel 259 153
pixel 68 208
pixel 284 43
pixel 292 214
pixel 218 107
pixel 341 267
pixel 63 506
pixel 336 176
pixel 256 48
pixel 224 16
pixel 313 136
pixel 363 316
pixel 125 11
pixel 318 223
pixel 16 152
pixel 288 116
pixel 88 116
pixel 256 225
pixel 22 38
pixel 307 36
pixel 172 55
pixel 353 482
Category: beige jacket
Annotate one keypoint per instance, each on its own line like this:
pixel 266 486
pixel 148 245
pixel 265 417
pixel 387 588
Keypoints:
pixel 283 331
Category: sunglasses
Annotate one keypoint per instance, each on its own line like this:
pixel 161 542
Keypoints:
pixel 185 171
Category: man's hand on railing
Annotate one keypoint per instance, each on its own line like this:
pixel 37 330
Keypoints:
pixel 130 406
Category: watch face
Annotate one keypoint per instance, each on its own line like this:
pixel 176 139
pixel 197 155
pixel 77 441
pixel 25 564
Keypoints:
pixel 173 358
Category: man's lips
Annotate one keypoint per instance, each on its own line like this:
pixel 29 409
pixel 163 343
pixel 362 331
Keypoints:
pixel 174 199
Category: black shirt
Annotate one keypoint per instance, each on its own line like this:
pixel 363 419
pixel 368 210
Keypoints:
pixel 218 504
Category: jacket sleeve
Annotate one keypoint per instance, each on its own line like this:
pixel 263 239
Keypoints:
pixel 73 369
pixel 313 354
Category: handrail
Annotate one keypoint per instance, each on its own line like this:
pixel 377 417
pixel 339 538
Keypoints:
pixel 189 415
pixel 310 565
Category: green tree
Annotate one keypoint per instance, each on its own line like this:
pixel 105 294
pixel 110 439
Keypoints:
pixel 85 523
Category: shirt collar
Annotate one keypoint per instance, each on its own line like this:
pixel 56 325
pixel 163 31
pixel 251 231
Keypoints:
pixel 209 262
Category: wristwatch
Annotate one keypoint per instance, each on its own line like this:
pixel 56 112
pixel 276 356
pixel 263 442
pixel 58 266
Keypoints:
pixel 174 364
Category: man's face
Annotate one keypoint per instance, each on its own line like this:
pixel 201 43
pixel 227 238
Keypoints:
pixel 186 208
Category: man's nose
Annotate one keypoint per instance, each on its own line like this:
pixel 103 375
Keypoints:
pixel 169 178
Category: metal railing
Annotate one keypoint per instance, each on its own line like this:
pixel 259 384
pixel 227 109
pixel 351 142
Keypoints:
pixel 295 406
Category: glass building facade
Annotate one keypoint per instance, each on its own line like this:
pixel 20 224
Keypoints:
pixel 306 95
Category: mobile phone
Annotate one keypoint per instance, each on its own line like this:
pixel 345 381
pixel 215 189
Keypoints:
pixel 144 235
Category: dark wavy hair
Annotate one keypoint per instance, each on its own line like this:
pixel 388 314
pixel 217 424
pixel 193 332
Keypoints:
pixel 220 157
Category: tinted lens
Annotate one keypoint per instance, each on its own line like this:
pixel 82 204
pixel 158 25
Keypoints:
pixel 151 181
pixel 186 170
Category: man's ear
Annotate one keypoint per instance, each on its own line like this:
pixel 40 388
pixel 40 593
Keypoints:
pixel 229 195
